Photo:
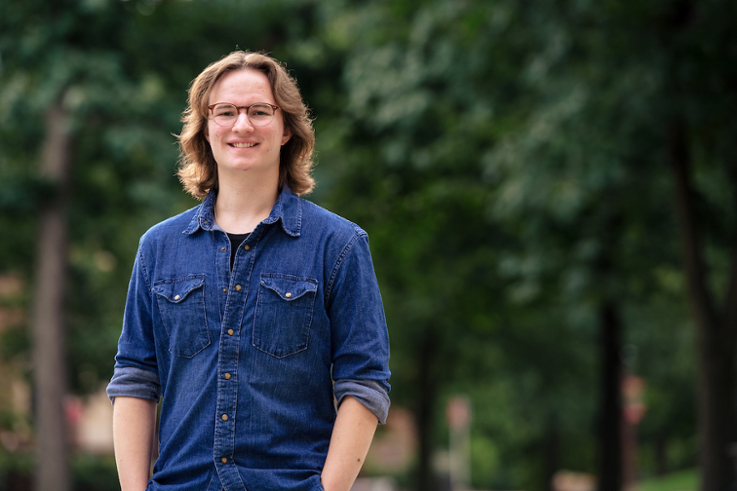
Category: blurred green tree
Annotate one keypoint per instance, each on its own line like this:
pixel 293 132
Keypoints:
pixel 635 90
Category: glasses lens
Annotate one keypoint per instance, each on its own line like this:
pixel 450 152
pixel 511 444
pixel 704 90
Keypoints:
pixel 260 114
pixel 224 114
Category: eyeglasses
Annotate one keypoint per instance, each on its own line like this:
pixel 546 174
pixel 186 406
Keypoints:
pixel 226 114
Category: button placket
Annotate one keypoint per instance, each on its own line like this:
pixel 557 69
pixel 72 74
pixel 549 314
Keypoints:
pixel 235 292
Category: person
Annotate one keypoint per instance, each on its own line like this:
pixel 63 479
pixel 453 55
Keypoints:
pixel 253 315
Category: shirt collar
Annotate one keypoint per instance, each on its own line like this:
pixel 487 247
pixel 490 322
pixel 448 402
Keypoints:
pixel 287 210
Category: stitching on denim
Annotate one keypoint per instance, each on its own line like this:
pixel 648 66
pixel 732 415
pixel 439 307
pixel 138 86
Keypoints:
pixel 358 233
pixel 145 271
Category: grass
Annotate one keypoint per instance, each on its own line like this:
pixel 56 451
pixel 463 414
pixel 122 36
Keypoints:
pixel 678 481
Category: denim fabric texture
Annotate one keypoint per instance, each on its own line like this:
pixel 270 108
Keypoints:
pixel 247 363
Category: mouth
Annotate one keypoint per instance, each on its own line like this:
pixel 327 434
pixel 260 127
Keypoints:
pixel 242 145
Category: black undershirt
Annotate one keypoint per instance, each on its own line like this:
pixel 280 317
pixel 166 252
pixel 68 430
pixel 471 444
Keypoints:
pixel 235 242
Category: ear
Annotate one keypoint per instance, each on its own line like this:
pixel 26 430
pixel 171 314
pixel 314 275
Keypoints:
pixel 287 135
pixel 206 133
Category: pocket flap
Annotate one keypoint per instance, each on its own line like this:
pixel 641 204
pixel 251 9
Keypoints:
pixel 289 288
pixel 177 290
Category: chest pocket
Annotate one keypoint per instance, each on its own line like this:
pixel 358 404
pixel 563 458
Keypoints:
pixel 283 317
pixel 182 307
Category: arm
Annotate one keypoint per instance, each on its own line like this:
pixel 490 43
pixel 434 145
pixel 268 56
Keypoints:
pixel 352 434
pixel 134 421
pixel 360 351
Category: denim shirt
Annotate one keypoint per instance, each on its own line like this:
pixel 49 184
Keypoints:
pixel 249 364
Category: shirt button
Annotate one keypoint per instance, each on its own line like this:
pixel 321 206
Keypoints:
pixel 237 288
pixel 225 290
pixel 288 295
pixel 225 417
pixel 230 332
pixel 176 297
pixel 222 249
pixel 247 247
pixel 224 460
pixel 227 376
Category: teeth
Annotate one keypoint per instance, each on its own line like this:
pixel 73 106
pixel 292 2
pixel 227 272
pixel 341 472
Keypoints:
pixel 243 145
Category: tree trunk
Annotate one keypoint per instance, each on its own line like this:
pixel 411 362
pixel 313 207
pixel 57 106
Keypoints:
pixel 47 317
pixel 715 333
pixel 552 451
pixel 661 457
pixel 427 384
pixel 610 429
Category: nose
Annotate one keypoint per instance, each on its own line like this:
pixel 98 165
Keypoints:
pixel 242 123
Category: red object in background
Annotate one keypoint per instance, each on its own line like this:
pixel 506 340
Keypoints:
pixel 74 410
pixel 633 388
pixel 633 410
pixel 458 412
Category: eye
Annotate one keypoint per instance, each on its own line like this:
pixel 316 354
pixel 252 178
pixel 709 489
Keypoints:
pixel 223 111
pixel 260 111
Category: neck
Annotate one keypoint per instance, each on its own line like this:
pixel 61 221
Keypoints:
pixel 241 206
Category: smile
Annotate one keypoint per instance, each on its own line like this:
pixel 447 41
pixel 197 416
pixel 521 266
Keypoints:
pixel 243 145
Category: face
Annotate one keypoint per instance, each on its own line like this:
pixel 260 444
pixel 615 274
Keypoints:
pixel 244 149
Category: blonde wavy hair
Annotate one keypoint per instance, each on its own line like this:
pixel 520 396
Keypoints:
pixel 197 167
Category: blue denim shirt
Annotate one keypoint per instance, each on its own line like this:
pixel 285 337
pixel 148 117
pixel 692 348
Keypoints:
pixel 248 362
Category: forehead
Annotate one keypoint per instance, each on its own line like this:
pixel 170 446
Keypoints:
pixel 242 86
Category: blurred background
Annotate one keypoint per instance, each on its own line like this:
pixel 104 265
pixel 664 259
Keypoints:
pixel 549 187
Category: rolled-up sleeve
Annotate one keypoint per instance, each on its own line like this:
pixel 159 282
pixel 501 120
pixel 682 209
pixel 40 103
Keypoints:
pixel 136 371
pixel 134 382
pixel 373 395
pixel 360 341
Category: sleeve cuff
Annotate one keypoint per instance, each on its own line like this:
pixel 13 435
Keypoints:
pixel 134 382
pixel 372 394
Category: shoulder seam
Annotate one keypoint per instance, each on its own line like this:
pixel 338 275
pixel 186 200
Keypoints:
pixel 357 234
pixel 143 267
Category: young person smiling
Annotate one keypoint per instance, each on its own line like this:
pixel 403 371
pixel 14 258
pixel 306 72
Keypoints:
pixel 251 315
